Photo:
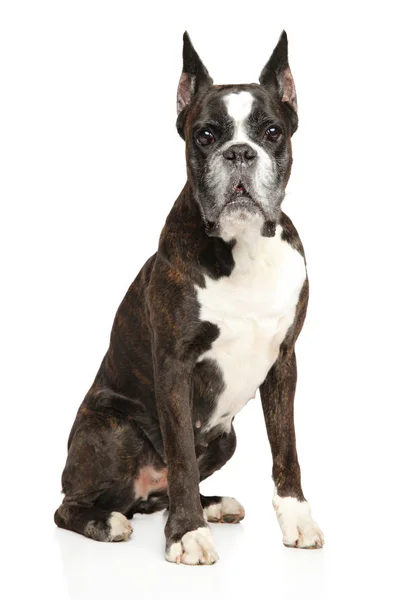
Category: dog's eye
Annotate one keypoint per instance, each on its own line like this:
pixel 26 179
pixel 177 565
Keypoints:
pixel 272 134
pixel 205 137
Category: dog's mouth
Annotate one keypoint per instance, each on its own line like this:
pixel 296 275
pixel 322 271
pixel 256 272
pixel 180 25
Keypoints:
pixel 240 188
pixel 240 200
pixel 240 197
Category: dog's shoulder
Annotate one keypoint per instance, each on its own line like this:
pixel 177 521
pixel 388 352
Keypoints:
pixel 290 234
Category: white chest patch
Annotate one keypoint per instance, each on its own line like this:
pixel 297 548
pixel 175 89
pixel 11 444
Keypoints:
pixel 253 309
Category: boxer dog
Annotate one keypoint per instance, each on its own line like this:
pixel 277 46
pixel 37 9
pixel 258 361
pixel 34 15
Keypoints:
pixel 210 318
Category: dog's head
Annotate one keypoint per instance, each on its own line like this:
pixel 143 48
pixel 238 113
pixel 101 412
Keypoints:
pixel 238 141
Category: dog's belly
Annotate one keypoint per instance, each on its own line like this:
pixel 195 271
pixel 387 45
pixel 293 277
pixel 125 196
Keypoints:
pixel 253 309
pixel 150 480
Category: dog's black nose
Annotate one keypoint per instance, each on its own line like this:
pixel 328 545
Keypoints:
pixel 240 153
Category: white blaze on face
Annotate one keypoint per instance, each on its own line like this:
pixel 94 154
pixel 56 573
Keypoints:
pixel 239 108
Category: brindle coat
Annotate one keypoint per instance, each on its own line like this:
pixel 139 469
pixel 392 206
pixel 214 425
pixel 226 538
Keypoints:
pixel 138 441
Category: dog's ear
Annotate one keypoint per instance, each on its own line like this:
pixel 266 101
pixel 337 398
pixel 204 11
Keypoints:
pixel 194 75
pixel 277 73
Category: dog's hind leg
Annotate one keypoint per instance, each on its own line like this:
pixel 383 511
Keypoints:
pixel 98 477
pixel 219 509
pixel 93 522
pixel 222 509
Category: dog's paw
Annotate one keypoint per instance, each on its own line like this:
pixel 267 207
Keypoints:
pixel 229 510
pixel 119 527
pixel 194 548
pixel 299 529
pixel 115 528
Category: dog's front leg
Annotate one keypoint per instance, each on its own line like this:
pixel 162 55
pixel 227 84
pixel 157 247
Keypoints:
pixel 293 512
pixel 188 538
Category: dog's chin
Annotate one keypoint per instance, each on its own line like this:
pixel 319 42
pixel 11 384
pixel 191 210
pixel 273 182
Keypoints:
pixel 241 218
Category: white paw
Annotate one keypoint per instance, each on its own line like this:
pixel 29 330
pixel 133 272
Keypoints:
pixel 299 529
pixel 120 528
pixel 195 548
pixel 226 511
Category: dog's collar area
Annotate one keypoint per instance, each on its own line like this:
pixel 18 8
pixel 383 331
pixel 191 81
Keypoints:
pixel 268 229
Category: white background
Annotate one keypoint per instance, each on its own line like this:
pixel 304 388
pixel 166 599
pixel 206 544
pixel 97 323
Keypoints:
pixel 90 166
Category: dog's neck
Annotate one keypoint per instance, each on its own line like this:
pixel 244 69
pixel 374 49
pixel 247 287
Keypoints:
pixel 184 240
